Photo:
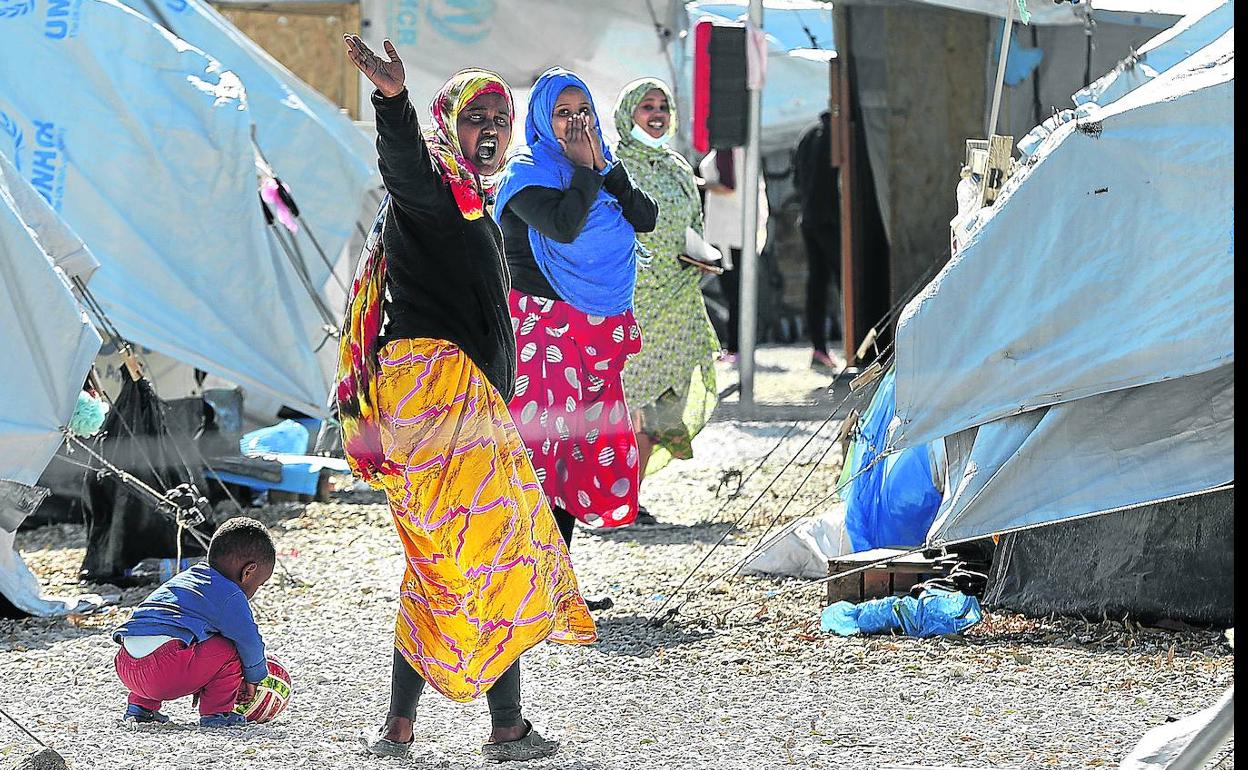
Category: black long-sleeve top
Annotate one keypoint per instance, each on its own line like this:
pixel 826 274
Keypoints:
pixel 561 214
pixel 815 179
pixel 446 277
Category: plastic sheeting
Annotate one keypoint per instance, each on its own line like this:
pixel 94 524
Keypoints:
pixel 1095 454
pixel 1170 561
pixel 803 548
pixel 153 441
pixel 54 238
pixel 935 612
pixel 1188 743
pixel 890 502
pixel 317 151
pixel 143 145
pixel 48 346
pixel 1107 264
pixel 1175 45
pixel 20 591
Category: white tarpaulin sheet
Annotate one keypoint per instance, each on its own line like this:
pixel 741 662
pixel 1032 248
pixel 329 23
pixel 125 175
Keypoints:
pixel 1158 55
pixel 1095 454
pixel 313 146
pixel 62 245
pixel 1108 264
pixel 1191 742
pixel 802 549
pixel 48 346
pixel 143 145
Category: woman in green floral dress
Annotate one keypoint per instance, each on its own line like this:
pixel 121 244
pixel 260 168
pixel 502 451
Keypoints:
pixel 671 384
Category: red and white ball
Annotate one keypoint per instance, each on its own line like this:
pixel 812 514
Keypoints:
pixel 272 694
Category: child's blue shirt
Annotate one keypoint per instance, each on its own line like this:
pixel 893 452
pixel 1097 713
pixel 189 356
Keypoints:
pixel 195 604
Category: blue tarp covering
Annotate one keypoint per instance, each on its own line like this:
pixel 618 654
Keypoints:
pixel 890 502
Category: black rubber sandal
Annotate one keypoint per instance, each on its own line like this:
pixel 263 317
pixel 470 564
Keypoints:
pixel 531 746
pixel 377 744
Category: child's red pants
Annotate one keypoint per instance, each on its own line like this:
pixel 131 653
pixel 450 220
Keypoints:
pixel 210 668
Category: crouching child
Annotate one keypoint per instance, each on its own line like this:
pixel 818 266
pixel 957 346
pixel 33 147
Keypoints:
pixel 196 635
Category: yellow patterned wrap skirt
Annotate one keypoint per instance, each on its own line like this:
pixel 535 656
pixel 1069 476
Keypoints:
pixel 488 575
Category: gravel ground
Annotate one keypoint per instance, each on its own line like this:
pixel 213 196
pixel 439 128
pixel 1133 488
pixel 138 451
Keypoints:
pixel 755 687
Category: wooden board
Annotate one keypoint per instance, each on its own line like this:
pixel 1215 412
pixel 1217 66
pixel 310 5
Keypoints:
pixel 307 39
pixel 878 581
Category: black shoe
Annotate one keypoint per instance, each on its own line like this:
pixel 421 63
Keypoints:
pixel 645 518
pixel 600 604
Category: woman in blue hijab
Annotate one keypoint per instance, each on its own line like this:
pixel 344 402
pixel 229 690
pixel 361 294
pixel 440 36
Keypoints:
pixel 570 215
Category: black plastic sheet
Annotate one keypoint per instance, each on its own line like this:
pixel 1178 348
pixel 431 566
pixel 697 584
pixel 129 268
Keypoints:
pixel 154 442
pixel 1171 561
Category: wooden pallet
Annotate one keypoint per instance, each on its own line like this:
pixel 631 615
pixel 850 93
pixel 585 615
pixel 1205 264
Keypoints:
pixel 878 581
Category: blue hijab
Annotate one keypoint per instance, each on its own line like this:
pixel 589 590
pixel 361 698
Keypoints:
pixel 597 272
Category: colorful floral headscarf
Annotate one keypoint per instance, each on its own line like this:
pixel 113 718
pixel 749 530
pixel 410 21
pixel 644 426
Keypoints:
pixel 356 391
pixel 466 85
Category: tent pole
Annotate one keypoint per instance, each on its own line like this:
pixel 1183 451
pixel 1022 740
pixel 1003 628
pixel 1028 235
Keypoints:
pixel 1001 59
pixel 847 178
pixel 749 226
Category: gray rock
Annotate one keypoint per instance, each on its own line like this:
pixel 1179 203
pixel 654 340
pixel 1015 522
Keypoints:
pixel 43 759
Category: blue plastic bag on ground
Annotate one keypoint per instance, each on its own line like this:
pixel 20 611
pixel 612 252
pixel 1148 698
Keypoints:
pixel 935 613
pixel 938 612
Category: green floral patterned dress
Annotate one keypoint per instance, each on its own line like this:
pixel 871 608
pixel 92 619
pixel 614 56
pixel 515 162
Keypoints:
pixel 672 380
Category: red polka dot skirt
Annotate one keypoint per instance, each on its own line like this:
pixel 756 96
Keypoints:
pixel 570 410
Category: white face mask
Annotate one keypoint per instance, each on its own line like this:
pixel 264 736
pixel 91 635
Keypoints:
pixel 642 136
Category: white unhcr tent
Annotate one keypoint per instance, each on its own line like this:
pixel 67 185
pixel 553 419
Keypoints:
pixel 48 345
pixel 143 145
pixel 328 163
pixel 1077 355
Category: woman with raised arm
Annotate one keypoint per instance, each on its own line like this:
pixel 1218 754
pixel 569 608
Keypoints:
pixel 427 363
pixel 571 215
pixel 671 383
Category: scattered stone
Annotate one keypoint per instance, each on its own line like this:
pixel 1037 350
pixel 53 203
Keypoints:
pixel 43 759
pixel 750 694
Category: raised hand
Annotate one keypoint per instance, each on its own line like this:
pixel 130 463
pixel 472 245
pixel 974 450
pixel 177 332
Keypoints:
pixel 576 144
pixel 591 136
pixel 387 74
